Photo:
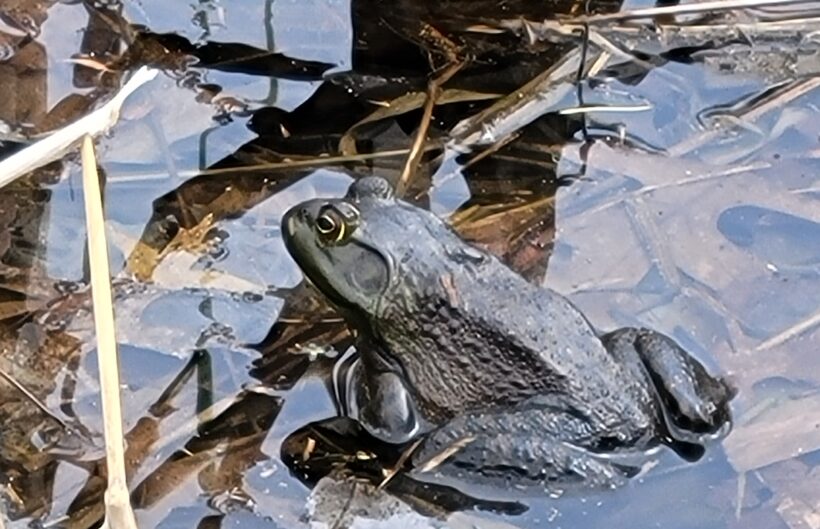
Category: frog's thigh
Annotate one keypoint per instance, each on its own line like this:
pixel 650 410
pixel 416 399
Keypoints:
pixel 386 409
pixel 695 400
pixel 520 447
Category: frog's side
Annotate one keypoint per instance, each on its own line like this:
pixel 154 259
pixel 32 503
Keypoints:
pixel 457 346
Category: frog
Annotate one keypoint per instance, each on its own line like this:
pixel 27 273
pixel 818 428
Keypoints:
pixel 482 373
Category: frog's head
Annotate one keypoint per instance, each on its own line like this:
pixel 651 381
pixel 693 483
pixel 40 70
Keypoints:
pixel 349 247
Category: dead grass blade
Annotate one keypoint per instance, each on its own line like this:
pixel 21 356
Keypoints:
pixel 433 91
pixel 681 9
pixel 523 106
pixel 389 474
pixel 404 104
pixel 296 163
pixel 59 142
pixel 118 512
pixel 437 459
pixel 778 99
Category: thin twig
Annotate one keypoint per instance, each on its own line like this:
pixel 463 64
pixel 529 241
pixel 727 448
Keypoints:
pixel 405 455
pixel 118 512
pixel 777 99
pixel 579 79
pixel 318 161
pixel 32 397
pixel 682 9
pixel 786 335
pixel 492 149
pixel 433 90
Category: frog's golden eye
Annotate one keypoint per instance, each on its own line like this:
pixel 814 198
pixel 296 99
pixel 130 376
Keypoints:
pixel 335 223
pixel 326 224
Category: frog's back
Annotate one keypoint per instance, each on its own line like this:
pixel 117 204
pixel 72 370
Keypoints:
pixel 478 334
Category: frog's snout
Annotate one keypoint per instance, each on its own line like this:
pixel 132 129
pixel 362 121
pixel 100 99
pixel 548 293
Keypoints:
pixel 299 214
pixel 302 214
pixel 298 219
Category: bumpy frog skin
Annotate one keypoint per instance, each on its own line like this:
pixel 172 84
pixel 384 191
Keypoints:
pixel 509 377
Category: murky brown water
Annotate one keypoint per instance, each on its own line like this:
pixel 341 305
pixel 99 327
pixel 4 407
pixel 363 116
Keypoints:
pixel 691 207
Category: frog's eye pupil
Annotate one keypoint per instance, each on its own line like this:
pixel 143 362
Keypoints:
pixel 325 224
pixel 335 223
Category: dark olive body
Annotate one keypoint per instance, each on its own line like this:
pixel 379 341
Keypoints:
pixel 507 378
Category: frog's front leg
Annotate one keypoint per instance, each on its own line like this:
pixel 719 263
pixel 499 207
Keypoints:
pixel 694 402
pixel 381 403
pixel 532 444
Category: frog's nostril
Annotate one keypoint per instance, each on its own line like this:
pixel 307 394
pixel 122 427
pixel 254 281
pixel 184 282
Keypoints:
pixel 302 214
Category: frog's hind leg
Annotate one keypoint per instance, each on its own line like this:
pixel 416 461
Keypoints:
pixel 514 448
pixel 694 402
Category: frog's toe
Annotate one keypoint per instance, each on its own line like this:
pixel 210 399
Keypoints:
pixel 694 400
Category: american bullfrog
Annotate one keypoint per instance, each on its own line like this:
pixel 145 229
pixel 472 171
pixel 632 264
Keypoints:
pixel 495 376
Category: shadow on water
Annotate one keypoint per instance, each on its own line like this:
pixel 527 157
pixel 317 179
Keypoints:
pixel 253 98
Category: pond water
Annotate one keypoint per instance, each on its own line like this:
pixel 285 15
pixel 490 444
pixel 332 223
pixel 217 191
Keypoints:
pixel 675 186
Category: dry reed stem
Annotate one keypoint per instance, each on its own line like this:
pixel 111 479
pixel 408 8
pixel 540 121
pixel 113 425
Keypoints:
pixel 118 512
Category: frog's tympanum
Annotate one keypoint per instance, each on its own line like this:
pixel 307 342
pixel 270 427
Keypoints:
pixel 497 377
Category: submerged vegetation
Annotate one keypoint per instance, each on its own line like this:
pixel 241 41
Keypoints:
pixel 663 160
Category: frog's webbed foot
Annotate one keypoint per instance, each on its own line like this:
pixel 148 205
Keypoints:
pixel 515 449
pixel 694 403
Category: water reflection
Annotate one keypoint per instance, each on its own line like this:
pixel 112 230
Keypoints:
pixel 674 243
